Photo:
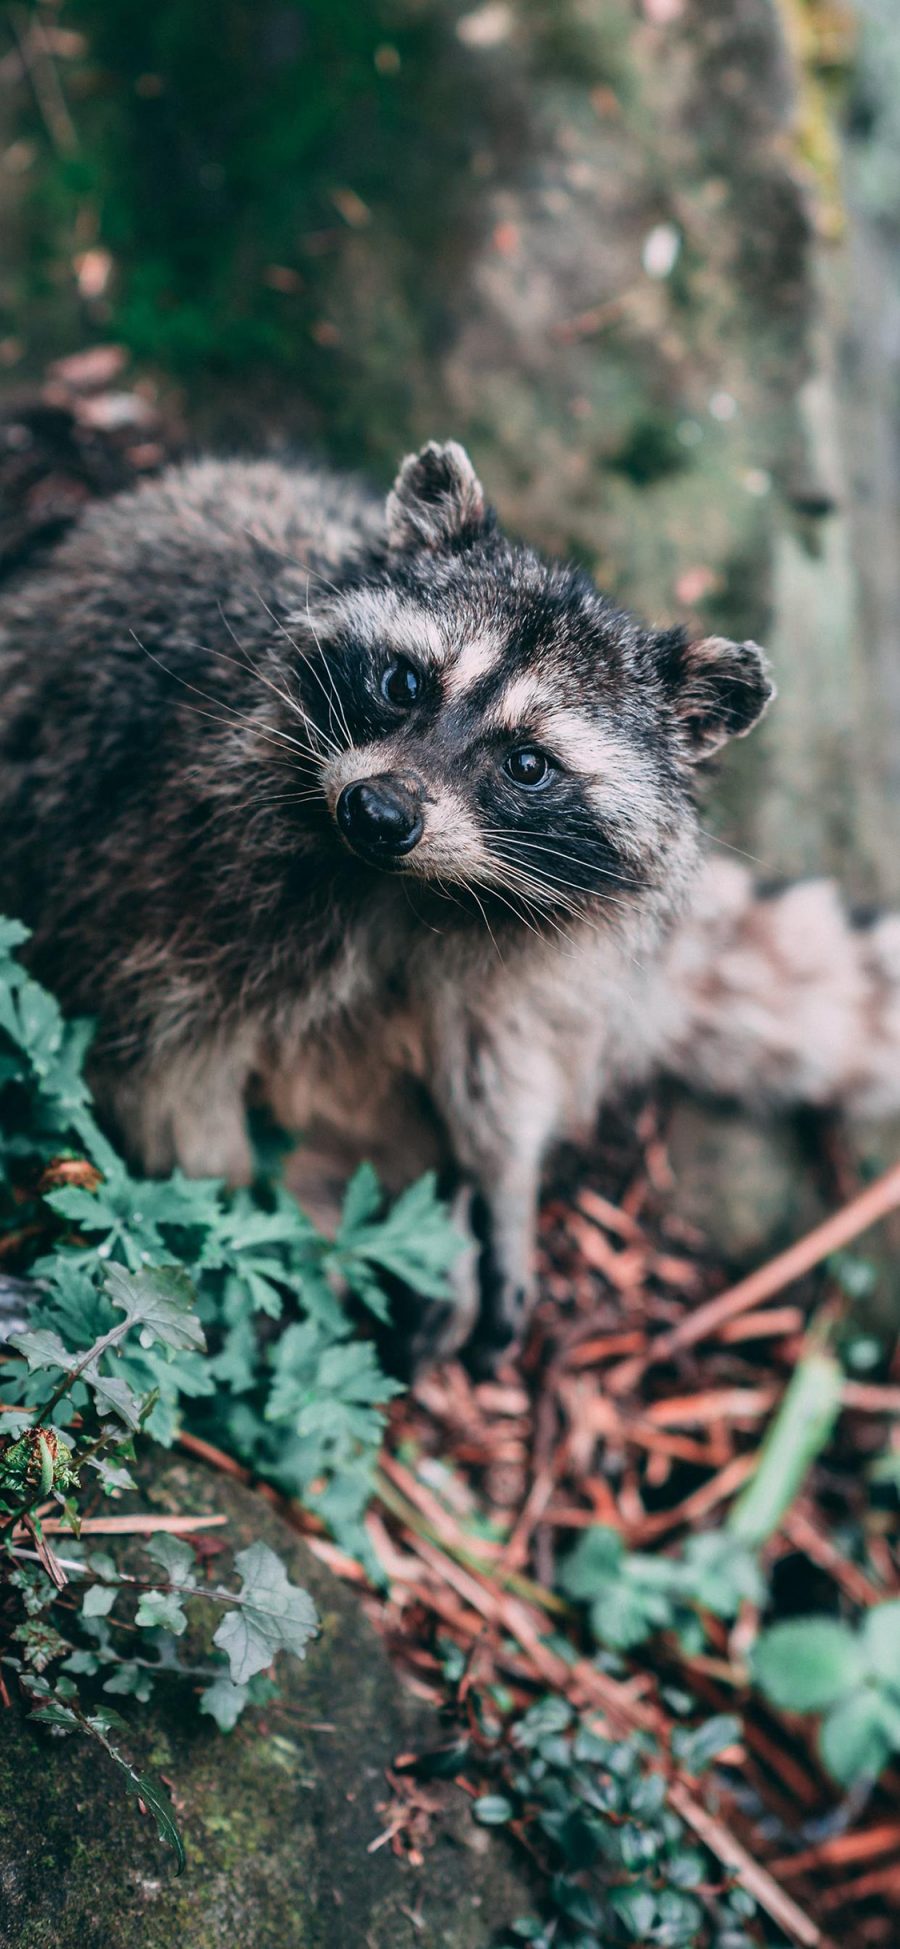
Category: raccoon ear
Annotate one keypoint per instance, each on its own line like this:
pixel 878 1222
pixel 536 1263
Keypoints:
pixel 437 500
pixel 718 689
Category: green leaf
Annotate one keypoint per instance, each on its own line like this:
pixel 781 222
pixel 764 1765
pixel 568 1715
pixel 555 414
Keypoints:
pixel 43 1348
pixel 796 1435
pixel 224 1701
pixel 161 1301
pixel 162 1610
pixel 721 1573
pixel 852 1740
pixel 175 1556
pixel 98 1600
pixel 594 1562
pixel 130 1681
pixel 271 1615
pixel 362 1200
pixel 694 1750
pixel 881 1642
pixel 807 1663
pixel 493 1809
pixel 115 1397
pixel 113 1475
pixel 636 1909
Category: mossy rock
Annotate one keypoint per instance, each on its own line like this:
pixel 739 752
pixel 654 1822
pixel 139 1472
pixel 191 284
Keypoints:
pixel 278 1816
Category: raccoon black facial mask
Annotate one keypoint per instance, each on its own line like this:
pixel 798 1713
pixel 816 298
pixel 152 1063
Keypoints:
pixel 551 737
pixel 365 807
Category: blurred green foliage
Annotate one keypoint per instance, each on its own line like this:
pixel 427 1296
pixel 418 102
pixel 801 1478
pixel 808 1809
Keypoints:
pixel 224 156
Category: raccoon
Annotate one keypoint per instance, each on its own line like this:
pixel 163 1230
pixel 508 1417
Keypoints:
pixel 368 813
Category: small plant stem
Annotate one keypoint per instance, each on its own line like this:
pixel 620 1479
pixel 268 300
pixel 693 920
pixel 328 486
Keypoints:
pixel 523 1587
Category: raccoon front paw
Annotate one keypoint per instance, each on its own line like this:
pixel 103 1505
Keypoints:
pixel 498 1329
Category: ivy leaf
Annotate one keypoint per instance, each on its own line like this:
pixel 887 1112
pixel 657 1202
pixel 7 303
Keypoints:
pixel 175 1557
pixel 162 1301
pixel 807 1663
pixel 98 1600
pixel 224 1701
pixel 852 1739
pixel 271 1615
pixel 130 1680
pixel 161 1610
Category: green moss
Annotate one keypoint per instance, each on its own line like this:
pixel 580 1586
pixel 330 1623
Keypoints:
pixel 278 1816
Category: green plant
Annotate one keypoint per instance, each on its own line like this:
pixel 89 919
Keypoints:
pixel 630 1595
pixel 851 1676
pixel 146 1297
pixel 620 1865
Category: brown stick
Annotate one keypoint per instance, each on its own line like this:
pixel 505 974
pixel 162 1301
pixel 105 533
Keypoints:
pixel 874 1204
pixel 756 1879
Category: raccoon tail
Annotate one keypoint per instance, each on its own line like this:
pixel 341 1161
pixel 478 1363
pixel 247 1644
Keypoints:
pixel 780 998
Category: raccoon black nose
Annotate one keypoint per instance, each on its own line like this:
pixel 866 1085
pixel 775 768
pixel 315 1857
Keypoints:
pixel 379 816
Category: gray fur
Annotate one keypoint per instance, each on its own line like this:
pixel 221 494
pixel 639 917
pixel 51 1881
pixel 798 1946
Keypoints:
pixel 190 688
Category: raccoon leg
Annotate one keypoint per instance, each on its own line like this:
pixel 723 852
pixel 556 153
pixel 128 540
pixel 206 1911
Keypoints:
pixel 187 1111
pixel 498 1089
pixel 780 998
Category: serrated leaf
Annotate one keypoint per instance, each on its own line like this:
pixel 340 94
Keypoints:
pixel 807 1663
pixel 113 1475
pixel 162 1301
pixel 271 1615
pixel 115 1396
pixel 362 1199
pixel 43 1348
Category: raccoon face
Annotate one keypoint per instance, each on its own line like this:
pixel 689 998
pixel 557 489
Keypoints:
pixel 489 722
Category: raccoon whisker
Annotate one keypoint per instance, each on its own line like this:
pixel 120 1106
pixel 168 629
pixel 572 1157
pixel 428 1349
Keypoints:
pixel 331 742
pixel 343 726
pixel 283 798
pixel 553 884
pixel 523 893
pixel 271 734
pixel 253 670
pixel 481 909
pixel 537 841
pixel 741 851
pixel 419 917
pixel 538 912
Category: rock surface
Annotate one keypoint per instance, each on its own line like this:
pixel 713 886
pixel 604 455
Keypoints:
pixel 278 1815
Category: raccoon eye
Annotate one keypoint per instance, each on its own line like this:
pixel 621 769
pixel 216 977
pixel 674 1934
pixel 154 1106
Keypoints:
pixel 400 683
pixel 527 766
